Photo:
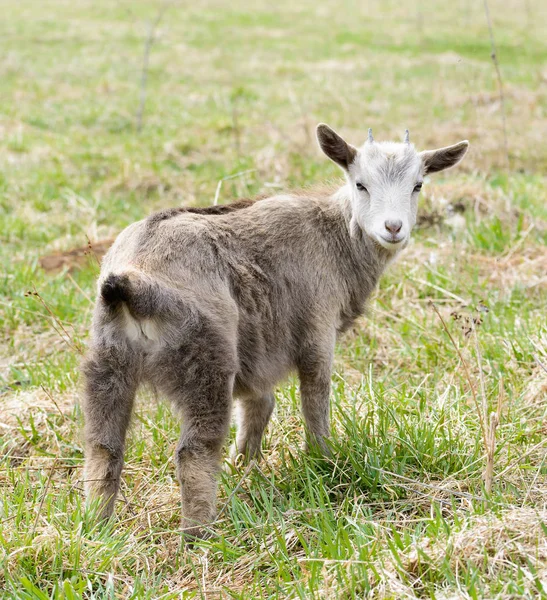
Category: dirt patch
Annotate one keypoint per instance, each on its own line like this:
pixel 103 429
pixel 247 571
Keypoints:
pixel 75 258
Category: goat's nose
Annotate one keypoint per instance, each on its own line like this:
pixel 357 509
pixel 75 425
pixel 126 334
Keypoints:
pixel 393 226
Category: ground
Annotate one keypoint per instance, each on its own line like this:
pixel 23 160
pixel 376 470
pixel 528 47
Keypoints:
pixel 456 331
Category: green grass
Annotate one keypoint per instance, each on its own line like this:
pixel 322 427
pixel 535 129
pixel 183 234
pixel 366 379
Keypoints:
pixel 400 511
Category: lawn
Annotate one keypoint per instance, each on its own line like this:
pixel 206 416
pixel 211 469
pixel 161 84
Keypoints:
pixel 456 332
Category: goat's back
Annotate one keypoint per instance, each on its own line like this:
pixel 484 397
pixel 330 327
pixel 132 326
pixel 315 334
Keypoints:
pixel 272 278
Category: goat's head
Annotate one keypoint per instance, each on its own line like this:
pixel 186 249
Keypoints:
pixel 384 179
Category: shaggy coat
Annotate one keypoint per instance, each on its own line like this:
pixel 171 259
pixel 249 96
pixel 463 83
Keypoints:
pixel 220 303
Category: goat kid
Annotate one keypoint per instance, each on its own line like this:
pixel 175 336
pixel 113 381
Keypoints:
pixel 223 302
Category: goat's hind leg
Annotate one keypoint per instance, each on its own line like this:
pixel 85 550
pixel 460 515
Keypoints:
pixel 112 377
pixel 199 381
pixel 206 419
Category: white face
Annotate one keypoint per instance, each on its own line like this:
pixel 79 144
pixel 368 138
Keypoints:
pixel 385 181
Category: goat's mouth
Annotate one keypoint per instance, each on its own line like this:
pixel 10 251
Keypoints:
pixel 392 242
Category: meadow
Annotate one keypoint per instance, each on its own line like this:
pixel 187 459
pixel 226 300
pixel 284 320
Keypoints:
pixel 226 107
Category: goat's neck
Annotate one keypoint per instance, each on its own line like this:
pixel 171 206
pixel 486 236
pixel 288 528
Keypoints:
pixel 361 261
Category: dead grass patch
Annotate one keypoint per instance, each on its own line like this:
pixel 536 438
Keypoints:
pixel 515 539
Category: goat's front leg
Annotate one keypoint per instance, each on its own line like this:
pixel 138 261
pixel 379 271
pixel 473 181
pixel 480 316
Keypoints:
pixel 315 369
pixel 253 414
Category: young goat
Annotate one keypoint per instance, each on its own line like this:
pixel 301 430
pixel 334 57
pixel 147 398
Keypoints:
pixel 211 304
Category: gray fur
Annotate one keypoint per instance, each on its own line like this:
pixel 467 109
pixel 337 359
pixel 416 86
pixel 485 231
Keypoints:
pixel 214 304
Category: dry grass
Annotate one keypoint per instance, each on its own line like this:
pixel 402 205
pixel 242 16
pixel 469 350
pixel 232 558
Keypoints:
pixel 401 511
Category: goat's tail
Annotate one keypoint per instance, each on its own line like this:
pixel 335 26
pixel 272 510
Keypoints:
pixel 144 301
pixel 116 289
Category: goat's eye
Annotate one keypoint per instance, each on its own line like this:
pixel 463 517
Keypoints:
pixel 417 187
pixel 360 187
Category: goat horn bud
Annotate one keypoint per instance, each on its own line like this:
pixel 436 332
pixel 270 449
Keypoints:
pixel 370 138
pixel 407 137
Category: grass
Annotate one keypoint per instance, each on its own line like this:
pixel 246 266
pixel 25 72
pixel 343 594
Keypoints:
pixel 401 510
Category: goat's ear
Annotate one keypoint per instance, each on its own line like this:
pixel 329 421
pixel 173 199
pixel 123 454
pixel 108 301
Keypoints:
pixel 443 158
pixel 342 153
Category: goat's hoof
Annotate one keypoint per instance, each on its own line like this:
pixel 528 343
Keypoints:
pixel 236 461
pixel 233 464
pixel 318 448
pixel 195 534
